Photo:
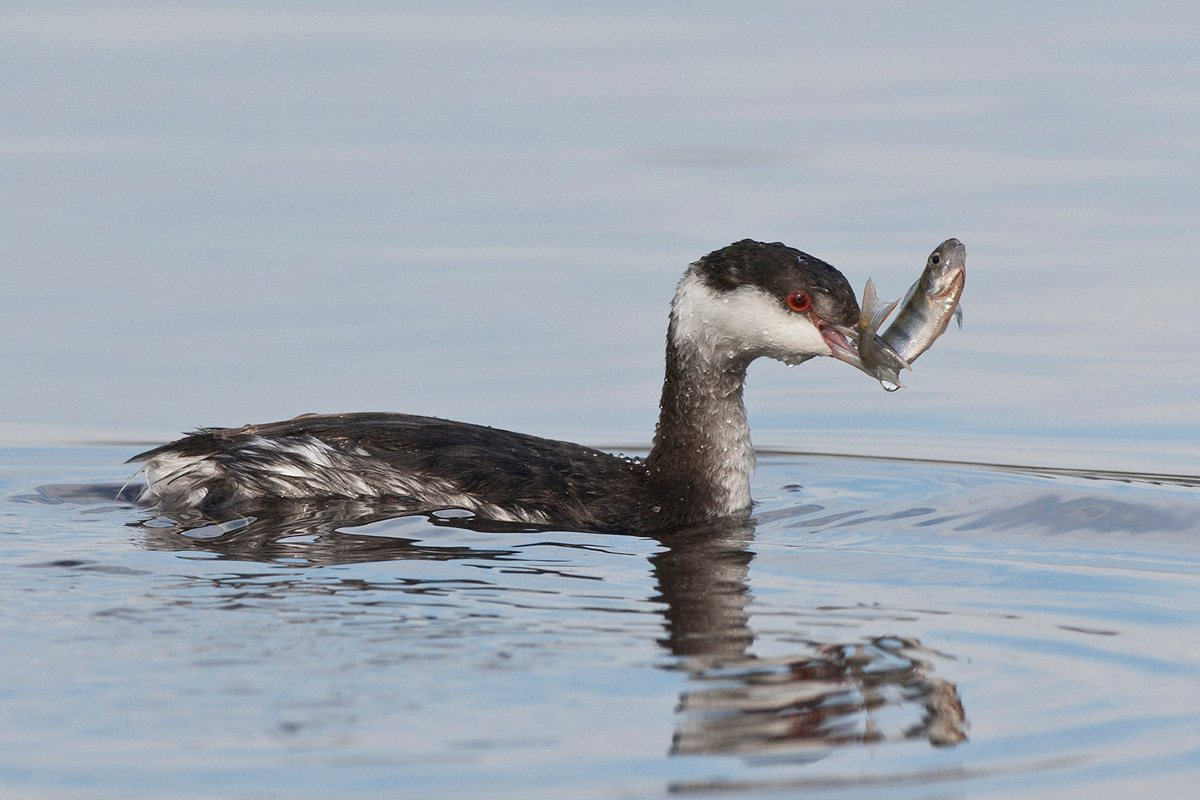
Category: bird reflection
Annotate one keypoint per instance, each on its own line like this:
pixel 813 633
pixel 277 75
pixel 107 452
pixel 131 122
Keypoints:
pixel 834 694
pixel 300 533
pixel 798 707
pixel 837 695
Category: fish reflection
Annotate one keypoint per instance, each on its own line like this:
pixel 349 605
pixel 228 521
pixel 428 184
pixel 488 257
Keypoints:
pixel 798 707
pixel 833 694
pixel 839 694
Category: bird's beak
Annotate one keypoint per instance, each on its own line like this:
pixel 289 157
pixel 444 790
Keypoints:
pixel 840 340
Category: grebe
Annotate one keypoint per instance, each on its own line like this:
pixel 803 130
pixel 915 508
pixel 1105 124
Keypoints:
pixel 744 301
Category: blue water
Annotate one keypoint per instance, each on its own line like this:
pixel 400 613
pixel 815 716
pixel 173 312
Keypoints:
pixel 882 628
pixel 220 213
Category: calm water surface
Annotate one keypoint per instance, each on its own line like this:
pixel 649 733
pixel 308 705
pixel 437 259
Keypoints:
pixel 882 628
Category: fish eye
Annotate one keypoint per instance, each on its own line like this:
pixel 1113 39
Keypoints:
pixel 935 259
pixel 799 301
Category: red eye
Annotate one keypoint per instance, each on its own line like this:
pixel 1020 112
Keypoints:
pixel 799 301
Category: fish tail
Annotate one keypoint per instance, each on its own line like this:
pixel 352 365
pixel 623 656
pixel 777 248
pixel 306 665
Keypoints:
pixel 874 311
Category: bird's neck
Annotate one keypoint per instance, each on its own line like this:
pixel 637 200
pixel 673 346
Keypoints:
pixel 700 464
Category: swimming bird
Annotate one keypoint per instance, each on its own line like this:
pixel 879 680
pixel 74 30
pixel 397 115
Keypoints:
pixel 739 303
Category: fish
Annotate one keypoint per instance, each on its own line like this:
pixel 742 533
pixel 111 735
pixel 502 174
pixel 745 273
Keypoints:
pixel 924 314
pixel 876 354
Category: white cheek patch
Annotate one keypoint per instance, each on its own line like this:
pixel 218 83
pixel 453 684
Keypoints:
pixel 744 323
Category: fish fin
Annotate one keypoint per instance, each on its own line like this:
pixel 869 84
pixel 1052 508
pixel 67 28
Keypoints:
pixel 874 312
pixel 958 315
pixel 867 307
pixel 882 313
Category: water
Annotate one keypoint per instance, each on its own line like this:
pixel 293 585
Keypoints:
pixel 882 628
pixel 218 213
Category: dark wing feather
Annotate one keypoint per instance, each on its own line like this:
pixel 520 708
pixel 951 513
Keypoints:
pixel 570 484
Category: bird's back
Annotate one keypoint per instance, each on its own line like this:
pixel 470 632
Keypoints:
pixel 425 461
